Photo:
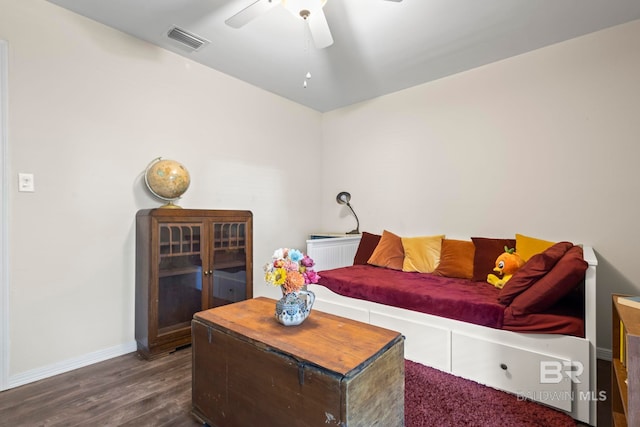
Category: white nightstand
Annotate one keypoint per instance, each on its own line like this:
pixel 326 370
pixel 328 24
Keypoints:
pixel 332 250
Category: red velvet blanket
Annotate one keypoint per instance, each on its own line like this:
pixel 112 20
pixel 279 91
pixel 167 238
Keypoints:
pixel 458 299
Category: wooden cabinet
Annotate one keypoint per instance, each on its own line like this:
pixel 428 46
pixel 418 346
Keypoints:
pixel 625 365
pixel 187 261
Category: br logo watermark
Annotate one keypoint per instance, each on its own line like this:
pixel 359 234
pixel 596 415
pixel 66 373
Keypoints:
pixel 553 371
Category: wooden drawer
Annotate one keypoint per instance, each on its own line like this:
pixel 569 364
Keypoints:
pixel 514 370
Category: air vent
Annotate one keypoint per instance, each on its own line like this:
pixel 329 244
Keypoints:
pixel 186 38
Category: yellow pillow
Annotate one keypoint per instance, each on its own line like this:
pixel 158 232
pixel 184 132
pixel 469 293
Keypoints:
pixel 421 254
pixel 527 246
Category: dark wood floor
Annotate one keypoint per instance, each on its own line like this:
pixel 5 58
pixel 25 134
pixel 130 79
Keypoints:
pixel 130 391
pixel 604 383
pixel 123 391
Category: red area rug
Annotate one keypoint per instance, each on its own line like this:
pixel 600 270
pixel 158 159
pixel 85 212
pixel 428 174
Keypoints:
pixel 435 398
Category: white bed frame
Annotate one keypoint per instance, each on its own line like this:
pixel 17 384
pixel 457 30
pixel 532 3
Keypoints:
pixel 556 370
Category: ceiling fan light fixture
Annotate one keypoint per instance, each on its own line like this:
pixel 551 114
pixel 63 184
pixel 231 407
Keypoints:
pixel 303 8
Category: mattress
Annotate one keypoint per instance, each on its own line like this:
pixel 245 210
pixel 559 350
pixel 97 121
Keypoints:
pixel 453 298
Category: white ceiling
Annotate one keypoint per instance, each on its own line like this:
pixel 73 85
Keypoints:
pixel 379 46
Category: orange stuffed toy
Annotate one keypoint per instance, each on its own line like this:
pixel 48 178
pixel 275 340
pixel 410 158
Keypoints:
pixel 506 265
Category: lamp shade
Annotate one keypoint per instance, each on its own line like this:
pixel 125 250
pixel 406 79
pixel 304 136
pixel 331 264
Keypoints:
pixel 343 198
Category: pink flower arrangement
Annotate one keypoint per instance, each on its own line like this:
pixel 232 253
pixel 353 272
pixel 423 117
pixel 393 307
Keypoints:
pixel 290 269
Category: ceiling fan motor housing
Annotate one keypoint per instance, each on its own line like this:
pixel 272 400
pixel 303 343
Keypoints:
pixel 303 8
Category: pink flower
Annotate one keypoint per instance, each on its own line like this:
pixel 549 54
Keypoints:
pixel 307 262
pixel 311 276
pixel 290 265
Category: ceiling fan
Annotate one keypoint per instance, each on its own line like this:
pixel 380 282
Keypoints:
pixel 309 10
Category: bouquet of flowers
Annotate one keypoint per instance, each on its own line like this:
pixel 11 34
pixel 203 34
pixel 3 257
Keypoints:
pixel 290 269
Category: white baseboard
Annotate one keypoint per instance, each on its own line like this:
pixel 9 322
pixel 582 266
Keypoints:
pixel 604 353
pixel 70 364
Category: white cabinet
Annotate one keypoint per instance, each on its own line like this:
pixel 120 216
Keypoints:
pixel 332 252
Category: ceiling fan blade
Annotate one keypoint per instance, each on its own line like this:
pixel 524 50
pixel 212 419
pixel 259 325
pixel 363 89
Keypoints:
pixel 319 29
pixel 251 12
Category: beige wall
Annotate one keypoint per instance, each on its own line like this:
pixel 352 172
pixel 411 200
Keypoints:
pixel 544 144
pixel 89 108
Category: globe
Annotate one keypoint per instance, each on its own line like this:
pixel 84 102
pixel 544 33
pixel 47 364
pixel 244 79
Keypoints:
pixel 167 180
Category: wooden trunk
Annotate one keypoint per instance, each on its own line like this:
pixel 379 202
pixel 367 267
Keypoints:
pixel 249 370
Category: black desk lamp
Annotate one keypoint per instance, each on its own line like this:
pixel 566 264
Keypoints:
pixel 343 198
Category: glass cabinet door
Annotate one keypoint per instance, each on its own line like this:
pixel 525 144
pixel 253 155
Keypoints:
pixel 229 263
pixel 179 275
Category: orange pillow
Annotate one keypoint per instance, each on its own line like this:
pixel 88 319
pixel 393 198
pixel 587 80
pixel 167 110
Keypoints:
pixel 389 253
pixel 456 259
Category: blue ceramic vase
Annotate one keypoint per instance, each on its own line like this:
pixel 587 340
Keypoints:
pixel 293 308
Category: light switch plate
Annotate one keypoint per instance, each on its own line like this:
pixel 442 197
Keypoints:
pixel 25 182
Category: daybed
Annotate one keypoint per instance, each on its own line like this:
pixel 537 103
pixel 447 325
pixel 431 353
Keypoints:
pixel 540 351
